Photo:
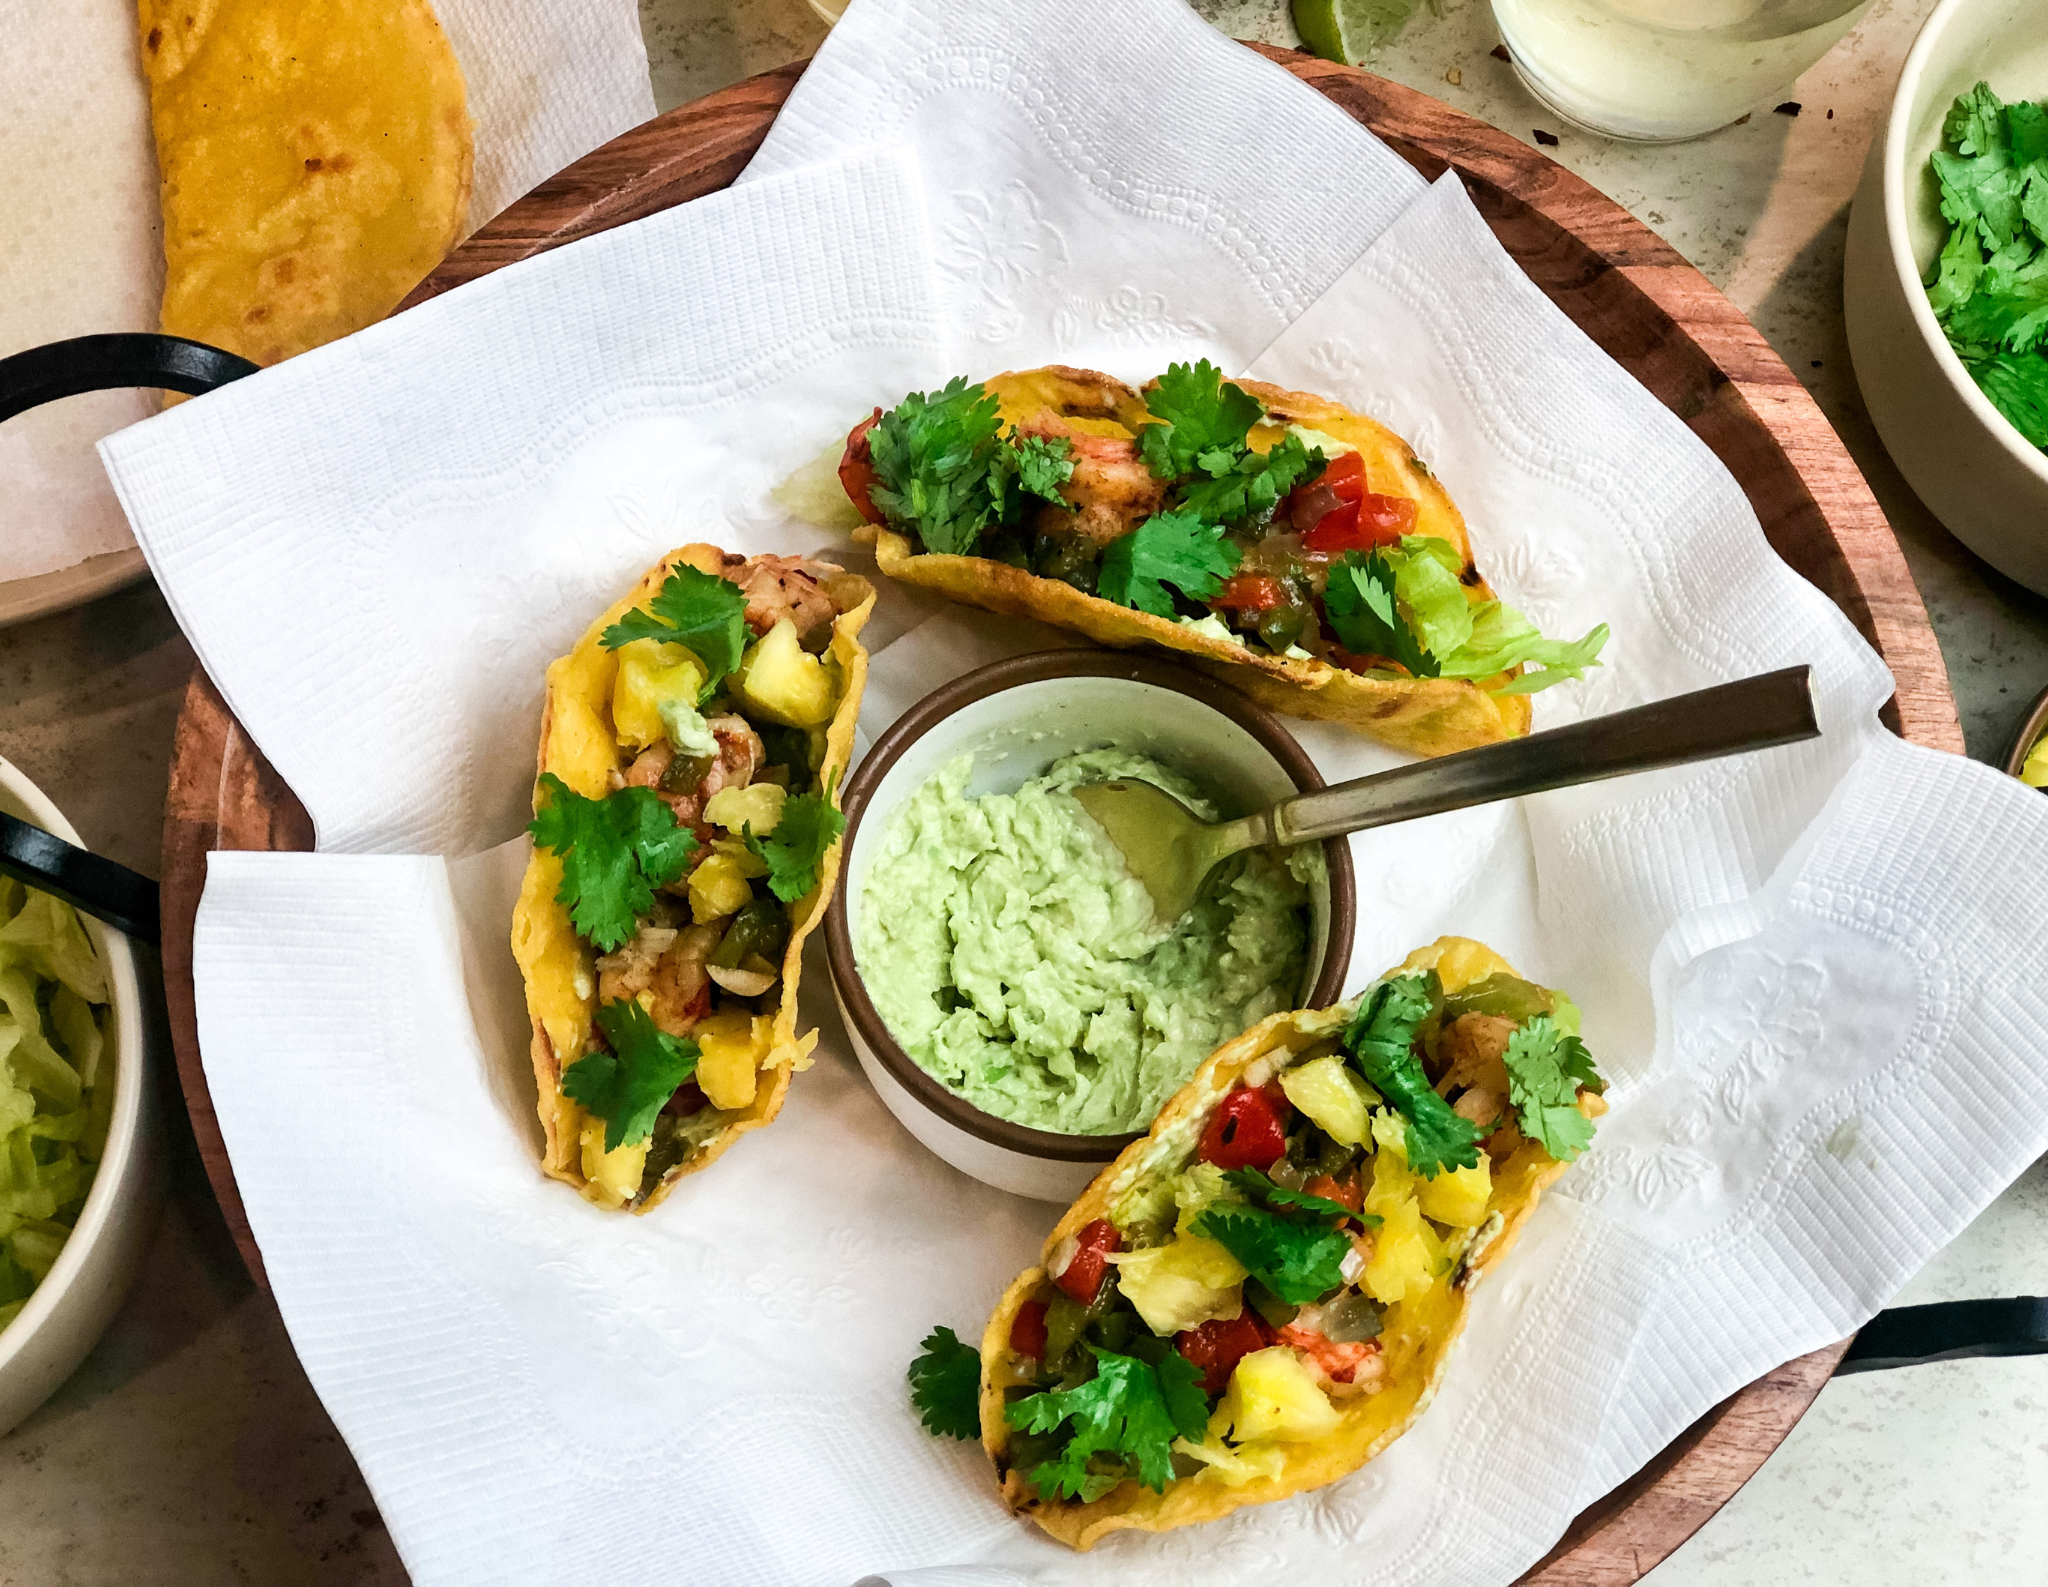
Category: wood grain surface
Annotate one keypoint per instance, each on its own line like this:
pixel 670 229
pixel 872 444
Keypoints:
pixel 1628 289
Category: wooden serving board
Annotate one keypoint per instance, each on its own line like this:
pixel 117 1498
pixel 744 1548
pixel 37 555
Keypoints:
pixel 1627 288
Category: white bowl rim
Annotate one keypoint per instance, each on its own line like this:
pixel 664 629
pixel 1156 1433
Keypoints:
pixel 1897 238
pixel 123 1131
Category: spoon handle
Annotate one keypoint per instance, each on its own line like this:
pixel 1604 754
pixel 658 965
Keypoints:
pixel 1728 719
pixel 124 899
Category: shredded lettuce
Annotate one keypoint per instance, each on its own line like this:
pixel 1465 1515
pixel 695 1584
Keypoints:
pixel 1482 639
pixel 55 1099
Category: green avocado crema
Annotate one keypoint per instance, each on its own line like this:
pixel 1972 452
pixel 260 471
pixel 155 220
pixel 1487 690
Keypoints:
pixel 1014 956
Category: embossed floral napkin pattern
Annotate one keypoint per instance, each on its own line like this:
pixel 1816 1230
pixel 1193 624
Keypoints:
pixel 1815 976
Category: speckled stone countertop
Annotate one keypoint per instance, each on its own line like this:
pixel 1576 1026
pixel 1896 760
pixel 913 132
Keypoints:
pixel 190 1448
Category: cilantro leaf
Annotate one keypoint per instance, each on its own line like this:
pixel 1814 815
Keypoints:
pixel 1035 465
pixel 1359 601
pixel 945 1385
pixel 1254 485
pixel 1129 1411
pixel 2017 385
pixel 615 851
pixel 1297 1260
pixel 1545 1071
pixel 1269 1193
pixel 1205 420
pixel 1381 1040
pixel 795 849
pixel 695 609
pixel 629 1085
pixel 933 458
pixel 1170 548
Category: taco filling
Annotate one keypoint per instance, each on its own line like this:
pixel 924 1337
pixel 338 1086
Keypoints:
pixel 1215 506
pixel 685 835
pixel 1260 1295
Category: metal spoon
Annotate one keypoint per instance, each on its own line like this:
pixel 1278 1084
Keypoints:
pixel 1172 850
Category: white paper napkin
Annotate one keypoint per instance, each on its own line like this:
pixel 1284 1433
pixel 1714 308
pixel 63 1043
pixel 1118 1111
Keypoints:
pixel 548 81
pixel 1815 976
pixel 469 484
pixel 1106 191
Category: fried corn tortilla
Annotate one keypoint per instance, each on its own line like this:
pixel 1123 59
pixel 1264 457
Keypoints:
pixel 581 744
pixel 1423 716
pixel 1418 1330
pixel 315 158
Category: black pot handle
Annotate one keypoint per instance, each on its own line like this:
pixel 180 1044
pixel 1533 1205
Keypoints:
pixel 112 363
pixel 1955 1330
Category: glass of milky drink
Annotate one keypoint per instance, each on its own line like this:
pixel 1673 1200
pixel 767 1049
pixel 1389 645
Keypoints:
pixel 1658 71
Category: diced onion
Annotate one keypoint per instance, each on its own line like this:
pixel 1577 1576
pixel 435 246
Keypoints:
pixel 1259 1072
pixel 741 983
pixel 1352 1265
pixel 1062 1256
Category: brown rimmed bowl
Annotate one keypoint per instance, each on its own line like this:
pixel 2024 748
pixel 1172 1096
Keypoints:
pixel 1016 718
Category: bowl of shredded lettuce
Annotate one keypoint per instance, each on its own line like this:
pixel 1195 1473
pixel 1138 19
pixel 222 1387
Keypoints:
pixel 1946 280
pixel 79 1189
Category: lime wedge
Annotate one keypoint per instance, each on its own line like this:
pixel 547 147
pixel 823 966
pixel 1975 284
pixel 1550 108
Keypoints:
pixel 1350 31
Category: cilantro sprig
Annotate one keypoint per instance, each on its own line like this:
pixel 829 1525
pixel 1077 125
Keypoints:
pixel 630 1085
pixel 699 610
pixel 1359 600
pixel 796 848
pixel 934 456
pixel 1173 548
pixel 1381 1041
pixel 945 1385
pixel 1545 1070
pixel 1204 421
pixel 1124 1421
pixel 1254 484
pixel 1297 1259
pixel 1030 466
pixel 615 852
pixel 1270 1193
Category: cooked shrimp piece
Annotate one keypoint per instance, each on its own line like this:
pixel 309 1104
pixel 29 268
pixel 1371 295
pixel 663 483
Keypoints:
pixel 1338 1363
pixel 629 970
pixel 1471 1049
pixel 1111 491
pixel 680 983
pixel 779 587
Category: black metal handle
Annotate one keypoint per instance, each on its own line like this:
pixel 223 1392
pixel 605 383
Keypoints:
pixel 1954 1330
pixel 124 899
pixel 112 363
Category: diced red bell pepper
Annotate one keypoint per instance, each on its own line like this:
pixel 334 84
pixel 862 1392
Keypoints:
pixel 1215 1348
pixel 1027 1333
pixel 1083 1276
pixel 689 1098
pixel 857 469
pixel 1345 475
pixel 1246 1132
pixel 1374 520
pixel 1250 592
pixel 1345 1192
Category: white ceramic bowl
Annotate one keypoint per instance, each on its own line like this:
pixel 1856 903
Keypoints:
pixel 1975 472
pixel 1016 718
pixel 71 1308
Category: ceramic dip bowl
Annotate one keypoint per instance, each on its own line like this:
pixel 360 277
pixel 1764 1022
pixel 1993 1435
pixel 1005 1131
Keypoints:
pixel 1016 718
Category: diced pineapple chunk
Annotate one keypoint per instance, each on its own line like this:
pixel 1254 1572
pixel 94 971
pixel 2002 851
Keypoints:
pixel 1458 962
pixel 1182 1284
pixel 1332 1096
pixel 758 807
pixel 1273 1395
pixel 745 862
pixel 650 674
pixel 1458 1196
pixel 1405 1256
pixel 1232 1467
pixel 717 889
pixel 784 682
pixel 730 1045
pixel 613 1177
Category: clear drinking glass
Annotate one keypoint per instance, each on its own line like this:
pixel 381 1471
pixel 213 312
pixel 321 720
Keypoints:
pixel 1657 71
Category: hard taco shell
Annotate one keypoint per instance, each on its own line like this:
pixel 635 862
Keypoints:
pixel 1418 1334
pixel 1424 716
pixel 577 744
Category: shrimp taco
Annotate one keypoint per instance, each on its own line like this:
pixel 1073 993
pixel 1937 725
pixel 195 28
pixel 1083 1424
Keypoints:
pixel 1299 550
pixel 686 838
pixel 1262 1294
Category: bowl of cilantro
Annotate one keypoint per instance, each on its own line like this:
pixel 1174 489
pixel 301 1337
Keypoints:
pixel 80 1176
pixel 1946 279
